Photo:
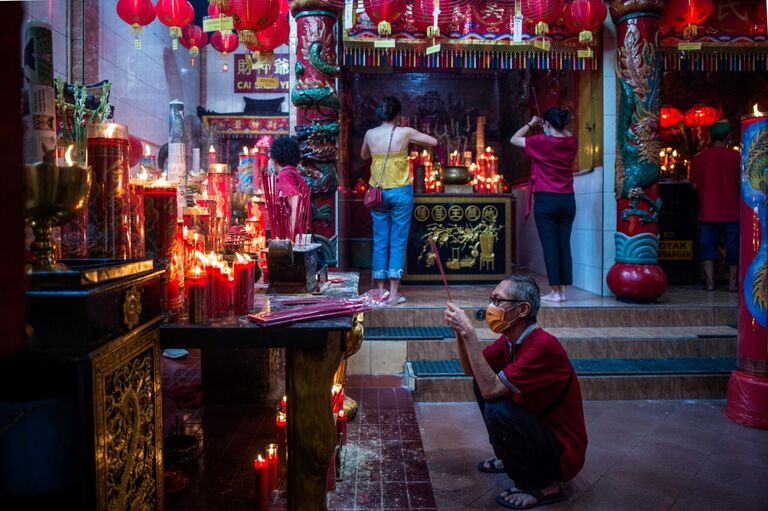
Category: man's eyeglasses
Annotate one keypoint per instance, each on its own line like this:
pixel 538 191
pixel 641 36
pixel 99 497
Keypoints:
pixel 498 301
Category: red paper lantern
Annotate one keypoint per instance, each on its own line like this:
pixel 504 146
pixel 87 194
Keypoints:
pixel 137 13
pixel 670 117
pixel 273 37
pixel 701 116
pixel 585 17
pixel 285 8
pixel 385 12
pixel 252 16
pixel 213 10
pixel 224 43
pixel 540 13
pixel 176 14
pixel 193 38
pixel 681 14
pixel 451 11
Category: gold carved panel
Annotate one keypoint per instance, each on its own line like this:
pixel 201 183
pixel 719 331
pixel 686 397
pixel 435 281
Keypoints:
pixel 128 424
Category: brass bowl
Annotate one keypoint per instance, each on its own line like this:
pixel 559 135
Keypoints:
pixel 458 175
pixel 52 196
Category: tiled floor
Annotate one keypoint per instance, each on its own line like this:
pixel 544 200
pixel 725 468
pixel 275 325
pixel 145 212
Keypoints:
pixel 642 455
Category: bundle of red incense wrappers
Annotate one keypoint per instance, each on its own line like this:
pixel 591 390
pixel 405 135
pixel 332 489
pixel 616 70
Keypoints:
pixel 310 309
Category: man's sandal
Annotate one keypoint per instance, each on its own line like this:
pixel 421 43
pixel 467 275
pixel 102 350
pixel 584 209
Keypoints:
pixel 541 499
pixel 491 466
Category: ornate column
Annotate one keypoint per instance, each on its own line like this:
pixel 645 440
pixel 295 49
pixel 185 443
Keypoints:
pixel 635 275
pixel 748 386
pixel 317 104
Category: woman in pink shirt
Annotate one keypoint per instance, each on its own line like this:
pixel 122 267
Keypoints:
pixel 551 185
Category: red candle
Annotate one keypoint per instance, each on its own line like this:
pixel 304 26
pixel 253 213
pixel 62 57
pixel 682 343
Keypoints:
pixel 222 291
pixel 280 423
pixel 341 427
pixel 136 190
pixel 197 295
pixel 244 276
pixel 272 460
pixel 160 205
pixel 261 481
pixel 214 273
pixel 211 155
pixel 284 404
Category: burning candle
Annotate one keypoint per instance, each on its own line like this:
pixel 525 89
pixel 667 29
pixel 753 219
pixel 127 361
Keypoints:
pixel 244 280
pixel 197 295
pixel 136 217
pixel 211 155
pixel 280 424
pixel 272 461
pixel 214 280
pixel 337 397
pixel 261 481
pixel 160 238
pixel 341 427
pixel 284 404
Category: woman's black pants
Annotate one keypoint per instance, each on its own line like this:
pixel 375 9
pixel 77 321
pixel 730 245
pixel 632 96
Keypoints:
pixel 525 444
pixel 554 214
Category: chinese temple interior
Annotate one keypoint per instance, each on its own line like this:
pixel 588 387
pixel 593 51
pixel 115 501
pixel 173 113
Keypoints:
pixel 194 315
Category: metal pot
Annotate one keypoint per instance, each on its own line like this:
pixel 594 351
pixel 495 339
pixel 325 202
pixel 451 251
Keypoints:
pixel 455 175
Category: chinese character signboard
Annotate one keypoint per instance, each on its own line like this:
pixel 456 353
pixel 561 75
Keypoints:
pixel 473 235
pixel 262 75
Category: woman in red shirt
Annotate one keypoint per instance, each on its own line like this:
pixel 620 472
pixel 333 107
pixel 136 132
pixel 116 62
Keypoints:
pixel 551 184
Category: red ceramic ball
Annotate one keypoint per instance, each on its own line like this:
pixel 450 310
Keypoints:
pixel 637 282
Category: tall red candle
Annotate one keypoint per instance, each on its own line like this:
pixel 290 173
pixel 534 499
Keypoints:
pixel 244 277
pixel 109 201
pixel 214 279
pixel 261 482
pixel 284 403
pixel 272 461
pixel 160 238
pixel 136 218
pixel 341 427
pixel 197 295
pixel 280 424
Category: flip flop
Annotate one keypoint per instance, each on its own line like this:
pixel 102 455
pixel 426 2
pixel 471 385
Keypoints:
pixel 491 466
pixel 541 499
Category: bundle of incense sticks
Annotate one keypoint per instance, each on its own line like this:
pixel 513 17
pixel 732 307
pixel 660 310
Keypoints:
pixel 440 266
pixel 535 101
pixel 311 312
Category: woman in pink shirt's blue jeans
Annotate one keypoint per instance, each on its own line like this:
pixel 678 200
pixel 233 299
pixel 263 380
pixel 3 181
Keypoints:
pixel 551 185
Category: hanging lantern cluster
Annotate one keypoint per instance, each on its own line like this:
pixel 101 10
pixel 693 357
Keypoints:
pixel 253 16
pixel 193 38
pixel 224 43
pixel 702 116
pixel 686 15
pixel 175 14
pixel 585 17
pixel 384 13
pixel 268 40
pixel 670 117
pixel 540 14
pixel 138 14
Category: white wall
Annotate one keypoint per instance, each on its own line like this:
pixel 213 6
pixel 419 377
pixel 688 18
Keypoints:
pixel 609 151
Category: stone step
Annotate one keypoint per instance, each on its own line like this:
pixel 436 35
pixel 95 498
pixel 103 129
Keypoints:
pixel 571 317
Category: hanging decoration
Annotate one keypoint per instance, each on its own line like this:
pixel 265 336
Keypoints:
pixel 193 38
pixel 585 17
pixel 670 117
pixel 225 43
pixel 138 14
pixel 436 17
pixel 253 16
pixel 267 41
pixel 384 13
pixel 702 116
pixel 540 14
pixel 175 14
pixel 686 15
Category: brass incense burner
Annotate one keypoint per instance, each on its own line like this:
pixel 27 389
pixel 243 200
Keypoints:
pixel 456 175
pixel 52 196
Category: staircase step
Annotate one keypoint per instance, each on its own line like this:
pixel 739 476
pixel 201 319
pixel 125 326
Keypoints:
pixel 680 378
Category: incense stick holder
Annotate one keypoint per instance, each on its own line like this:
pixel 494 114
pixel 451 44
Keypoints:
pixel 292 269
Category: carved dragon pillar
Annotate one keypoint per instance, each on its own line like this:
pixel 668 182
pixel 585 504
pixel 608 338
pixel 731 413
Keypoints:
pixel 317 105
pixel 636 275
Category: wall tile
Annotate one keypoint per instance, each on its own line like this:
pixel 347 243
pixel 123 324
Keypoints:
pixel 587 247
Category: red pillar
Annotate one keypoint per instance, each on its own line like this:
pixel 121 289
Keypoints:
pixel 636 275
pixel 748 386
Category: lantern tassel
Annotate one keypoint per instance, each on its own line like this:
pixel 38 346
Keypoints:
pixel 384 28
pixel 433 32
pixel 585 36
pixel 542 28
pixel 247 36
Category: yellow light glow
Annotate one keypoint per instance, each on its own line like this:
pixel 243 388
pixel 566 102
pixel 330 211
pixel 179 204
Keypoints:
pixel 147 151
pixel 756 112
pixel 68 155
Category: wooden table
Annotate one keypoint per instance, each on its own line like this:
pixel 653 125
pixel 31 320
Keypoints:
pixel 314 351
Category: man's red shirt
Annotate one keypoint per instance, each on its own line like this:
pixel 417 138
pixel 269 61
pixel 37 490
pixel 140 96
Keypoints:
pixel 716 173
pixel 539 369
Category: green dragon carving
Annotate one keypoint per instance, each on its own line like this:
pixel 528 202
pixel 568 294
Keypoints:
pixel 316 52
pixel 321 96
pixel 637 126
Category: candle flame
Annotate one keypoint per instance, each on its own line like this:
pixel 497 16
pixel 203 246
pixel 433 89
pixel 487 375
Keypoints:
pixel 341 414
pixel 68 155
pixel 185 232
pixel 756 112
pixel 201 257
pixel 197 271
pixel 488 149
pixel 260 458
pixel 212 149
pixel 271 450
pixel 147 151
pixel 111 130
pixel 280 417
pixel 240 258
pixel 205 194
pixel 143 175
pixel 245 150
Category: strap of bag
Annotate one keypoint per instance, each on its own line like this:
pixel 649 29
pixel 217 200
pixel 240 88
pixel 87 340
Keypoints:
pixel 386 157
pixel 560 398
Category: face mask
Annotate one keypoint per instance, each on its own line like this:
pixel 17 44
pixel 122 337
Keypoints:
pixel 546 131
pixel 494 316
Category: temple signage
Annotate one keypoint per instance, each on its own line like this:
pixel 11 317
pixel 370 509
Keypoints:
pixel 676 250
pixel 266 75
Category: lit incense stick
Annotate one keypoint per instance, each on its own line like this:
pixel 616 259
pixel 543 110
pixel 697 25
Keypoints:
pixel 535 102
pixel 440 267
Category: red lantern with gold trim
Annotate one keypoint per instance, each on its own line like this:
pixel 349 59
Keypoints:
pixel 451 11
pixel 585 17
pixel 138 14
pixel 176 14
pixel 384 13
pixel 253 16
pixel 273 37
pixel 686 15
pixel 670 117
pixel 224 43
pixel 539 14
pixel 701 116
pixel 193 38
